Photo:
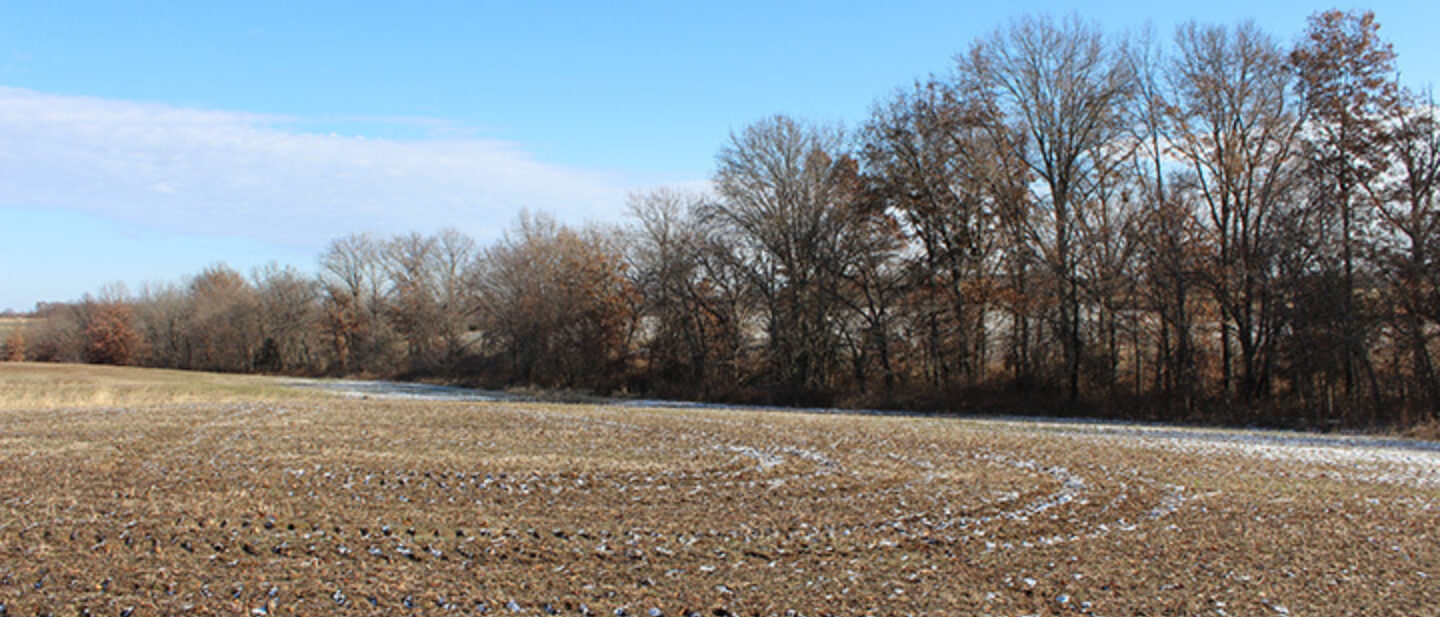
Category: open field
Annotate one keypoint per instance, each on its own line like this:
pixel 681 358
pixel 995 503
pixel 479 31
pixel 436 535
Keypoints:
pixel 306 504
pixel 29 385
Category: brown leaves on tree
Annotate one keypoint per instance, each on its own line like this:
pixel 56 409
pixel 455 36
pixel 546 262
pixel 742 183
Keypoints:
pixel 13 349
pixel 556 306
pixel 110 337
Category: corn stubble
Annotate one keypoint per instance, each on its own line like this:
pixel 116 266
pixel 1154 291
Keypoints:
pixel 365 507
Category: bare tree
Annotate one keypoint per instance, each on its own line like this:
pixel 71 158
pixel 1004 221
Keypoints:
pixel 289 310
pixel 1169 236
pixel 932 158
pixel 556 307
pixel 162 315
pixel 223 333
pixel 457 264
pixel 414 305
pixel 666 267
pixel 1109 226
pixel 781 184
pixel 872 275
pixel 1409 248
pixel 1235 128
pixel 356 287
pixel 1063 86
pixel 1346 74
pixel 431 303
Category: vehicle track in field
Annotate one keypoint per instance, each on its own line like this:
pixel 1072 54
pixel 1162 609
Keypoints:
pixel 939 514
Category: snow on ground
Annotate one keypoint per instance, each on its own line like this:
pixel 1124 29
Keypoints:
pixel 1340 456
pixel 396 391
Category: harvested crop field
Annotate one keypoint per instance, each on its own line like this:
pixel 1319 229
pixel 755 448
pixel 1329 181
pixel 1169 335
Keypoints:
pixel 332 505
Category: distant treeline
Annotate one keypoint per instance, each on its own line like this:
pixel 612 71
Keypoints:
pixel 1215 229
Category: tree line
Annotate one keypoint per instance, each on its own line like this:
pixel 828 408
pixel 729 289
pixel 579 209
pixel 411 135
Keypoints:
pixel 1218 228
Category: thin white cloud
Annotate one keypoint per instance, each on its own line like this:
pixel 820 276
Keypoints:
pixel 240 174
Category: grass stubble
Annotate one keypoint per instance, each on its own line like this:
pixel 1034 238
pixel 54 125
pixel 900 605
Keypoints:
pixel 27 386
pixel 241 497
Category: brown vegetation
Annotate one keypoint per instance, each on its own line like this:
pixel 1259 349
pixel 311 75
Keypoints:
pixel 110 337
pixel 13 348
pixel 35 386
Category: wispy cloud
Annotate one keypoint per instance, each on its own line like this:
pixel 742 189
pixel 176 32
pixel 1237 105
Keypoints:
pixel 252 175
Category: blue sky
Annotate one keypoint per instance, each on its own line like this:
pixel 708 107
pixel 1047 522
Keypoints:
pixel 144 141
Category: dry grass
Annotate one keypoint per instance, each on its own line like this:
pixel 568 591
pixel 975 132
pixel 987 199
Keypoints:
pixel 26 385
pixel 10 324
pixel 366 507
pixel 1429 430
